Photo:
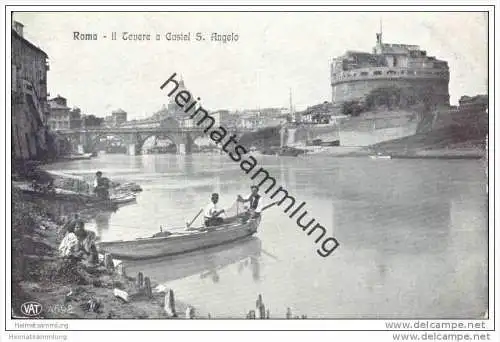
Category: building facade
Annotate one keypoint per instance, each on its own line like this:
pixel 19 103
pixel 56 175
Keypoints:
pixel 355 74
pixel 118 117
pixel 59 114
pixel 29 66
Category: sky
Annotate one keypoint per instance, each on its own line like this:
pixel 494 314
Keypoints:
pixel 274 53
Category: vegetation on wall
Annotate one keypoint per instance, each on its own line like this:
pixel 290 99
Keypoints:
pixel 390 97
pixel 92 121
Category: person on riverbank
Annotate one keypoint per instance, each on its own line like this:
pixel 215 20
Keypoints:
pixel 69 246
pixel 72 224
pixel 254 199
pixel 86 240
pixel 101 186
pixel 213 212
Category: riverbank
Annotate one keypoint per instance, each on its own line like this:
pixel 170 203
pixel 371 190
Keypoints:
pixel 64 288
pixel 453 142
pixel 365 152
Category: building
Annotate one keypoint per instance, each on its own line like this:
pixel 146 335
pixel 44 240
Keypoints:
pixel 479 102
pixel 355 74
pixel 319 114
pixel 29 110
pixel 59 113
pixel 117 118
pixel 75 118
pixel 61 116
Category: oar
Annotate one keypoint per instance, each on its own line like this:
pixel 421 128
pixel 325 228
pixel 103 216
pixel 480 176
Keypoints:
pixel 269 206
pixel 189 224
pixel 269 254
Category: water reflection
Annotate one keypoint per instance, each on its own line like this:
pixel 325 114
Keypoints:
pixel 206 263
pixel 101 221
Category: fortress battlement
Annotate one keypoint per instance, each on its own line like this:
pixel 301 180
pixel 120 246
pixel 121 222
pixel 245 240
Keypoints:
pixel 355 74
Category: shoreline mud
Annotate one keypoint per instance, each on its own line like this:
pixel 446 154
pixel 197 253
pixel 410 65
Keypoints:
pixel 74 289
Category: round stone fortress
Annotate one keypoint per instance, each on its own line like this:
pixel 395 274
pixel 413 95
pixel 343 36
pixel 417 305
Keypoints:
pixel 355 74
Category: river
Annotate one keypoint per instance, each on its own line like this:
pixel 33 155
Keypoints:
pixel 413 235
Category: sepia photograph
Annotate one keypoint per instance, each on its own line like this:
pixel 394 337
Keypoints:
pixel 237 165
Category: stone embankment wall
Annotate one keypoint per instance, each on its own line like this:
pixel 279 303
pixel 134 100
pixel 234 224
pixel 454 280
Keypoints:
pixel 473 119
pixel 357 89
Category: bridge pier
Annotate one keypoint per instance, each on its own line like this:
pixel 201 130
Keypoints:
pixel 181 148
pixel 83 142
pixel 132 150
pixel 184 144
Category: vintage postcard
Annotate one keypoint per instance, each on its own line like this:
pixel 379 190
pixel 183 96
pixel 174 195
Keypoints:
pixel 255 168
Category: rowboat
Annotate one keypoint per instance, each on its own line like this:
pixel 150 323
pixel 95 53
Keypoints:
pixel 182 242
pixel 380 157
pixel 77 156
pixel 122 198
pixel 59 193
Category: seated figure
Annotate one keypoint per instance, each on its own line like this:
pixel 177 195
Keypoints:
pixel 213 212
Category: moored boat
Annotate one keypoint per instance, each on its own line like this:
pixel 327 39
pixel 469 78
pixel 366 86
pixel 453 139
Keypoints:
pixel 77 156
pixel 122 198
pixel 380 156
pixel 59 193
pixel 178 243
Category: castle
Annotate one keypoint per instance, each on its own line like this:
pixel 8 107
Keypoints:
pixel 355 74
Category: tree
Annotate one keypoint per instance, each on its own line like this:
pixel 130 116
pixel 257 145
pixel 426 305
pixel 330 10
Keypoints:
pixel 92 121
pixel 353 108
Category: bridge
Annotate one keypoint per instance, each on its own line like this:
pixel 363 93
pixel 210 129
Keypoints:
pixel 86 139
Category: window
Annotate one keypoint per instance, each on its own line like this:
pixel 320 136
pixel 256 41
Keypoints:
pixel 391 72
pixel 377 72
pixel 364 73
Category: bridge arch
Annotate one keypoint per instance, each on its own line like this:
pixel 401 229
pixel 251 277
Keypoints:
pixel 142 141
pixel 183 140
pixel 94 139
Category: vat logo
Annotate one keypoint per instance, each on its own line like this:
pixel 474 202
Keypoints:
pixel 31 309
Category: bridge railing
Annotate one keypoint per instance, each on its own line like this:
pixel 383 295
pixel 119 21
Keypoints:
pixel 118 130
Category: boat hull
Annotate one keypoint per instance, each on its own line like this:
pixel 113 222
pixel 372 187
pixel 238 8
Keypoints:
pixel 69 195
pixel 180 243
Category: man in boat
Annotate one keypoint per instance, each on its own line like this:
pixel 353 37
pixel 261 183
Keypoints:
pixel 213 212
pixel 254 199
pixel 101 186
